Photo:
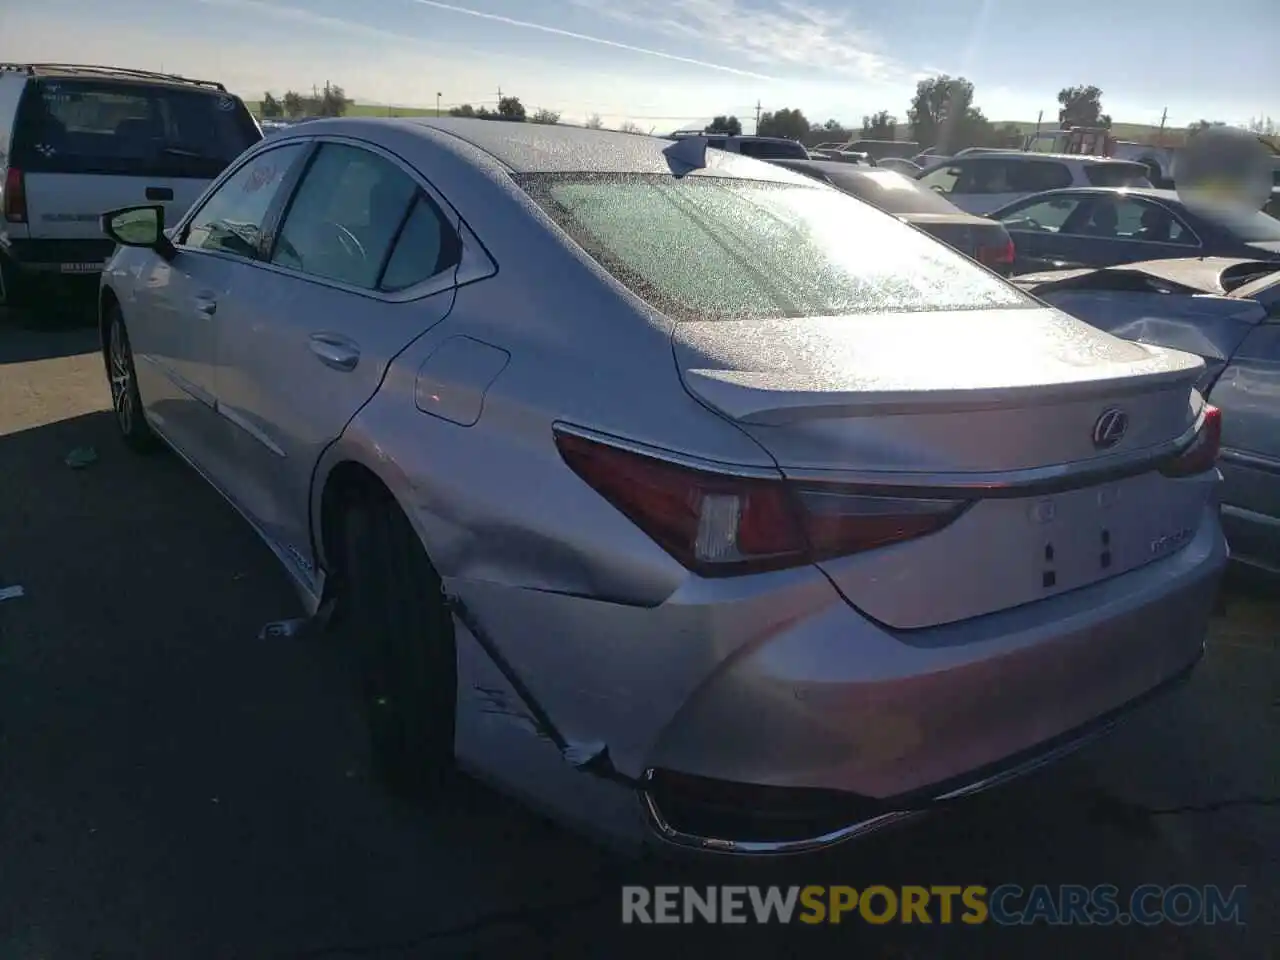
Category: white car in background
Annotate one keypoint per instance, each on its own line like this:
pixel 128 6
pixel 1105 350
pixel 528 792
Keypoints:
pixel 982 182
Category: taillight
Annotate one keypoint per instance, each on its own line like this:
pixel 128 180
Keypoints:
pixel 15 196
pixel 999 256
pixel 717 524
pixel 1202 453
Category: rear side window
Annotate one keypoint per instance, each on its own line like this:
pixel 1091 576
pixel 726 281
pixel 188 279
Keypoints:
pixel 1118 175
pixel 1035 176
pixel 707 248
pixel 130 129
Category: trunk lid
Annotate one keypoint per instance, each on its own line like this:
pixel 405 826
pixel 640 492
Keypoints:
pixel 964 403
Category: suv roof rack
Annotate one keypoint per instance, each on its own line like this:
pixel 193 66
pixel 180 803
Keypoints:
pixel 127 73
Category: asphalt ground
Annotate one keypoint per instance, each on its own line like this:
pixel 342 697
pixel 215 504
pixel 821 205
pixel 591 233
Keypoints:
pixel 172 786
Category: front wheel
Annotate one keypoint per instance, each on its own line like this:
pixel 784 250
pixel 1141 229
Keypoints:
pixel 126 402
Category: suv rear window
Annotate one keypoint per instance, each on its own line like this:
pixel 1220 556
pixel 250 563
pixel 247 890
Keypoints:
pixel 710 248
pixel 125 128
pixel 1117 175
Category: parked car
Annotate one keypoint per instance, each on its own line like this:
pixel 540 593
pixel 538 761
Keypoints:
pixel 81 140
pixel 983 182
pixel 1228 312
pixel 900 165
pixel 764 148
pixel 984 240
pixel 1098 227
pixel 605 449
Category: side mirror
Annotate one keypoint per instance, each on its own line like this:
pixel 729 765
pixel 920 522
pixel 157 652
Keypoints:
pixel 138 227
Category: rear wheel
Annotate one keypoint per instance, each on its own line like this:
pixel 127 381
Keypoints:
pixel 394 620
pixel 126 402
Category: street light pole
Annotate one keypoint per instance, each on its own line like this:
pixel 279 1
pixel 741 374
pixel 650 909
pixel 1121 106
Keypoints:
pixel 437 104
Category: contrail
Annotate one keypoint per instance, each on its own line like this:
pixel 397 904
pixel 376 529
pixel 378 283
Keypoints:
pixel 582 36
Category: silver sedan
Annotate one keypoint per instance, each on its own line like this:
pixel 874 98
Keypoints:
pixel 692 500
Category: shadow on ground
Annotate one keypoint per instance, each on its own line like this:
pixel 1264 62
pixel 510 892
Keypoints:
pixel 173 786
pixel 54 330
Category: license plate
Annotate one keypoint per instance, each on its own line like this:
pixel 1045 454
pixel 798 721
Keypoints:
pixel 95 267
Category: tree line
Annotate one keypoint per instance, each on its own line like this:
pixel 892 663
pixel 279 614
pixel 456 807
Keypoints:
pixel 331 102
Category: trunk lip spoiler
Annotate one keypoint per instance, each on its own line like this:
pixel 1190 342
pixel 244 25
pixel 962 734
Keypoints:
pixel 1055 478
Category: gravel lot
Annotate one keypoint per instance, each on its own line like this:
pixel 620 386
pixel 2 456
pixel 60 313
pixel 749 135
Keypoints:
pixel 173 787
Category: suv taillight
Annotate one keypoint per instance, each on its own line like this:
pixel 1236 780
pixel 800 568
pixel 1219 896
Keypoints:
pixel 1202 453
pixel 717 524
pixel 997 257
pixel 15 196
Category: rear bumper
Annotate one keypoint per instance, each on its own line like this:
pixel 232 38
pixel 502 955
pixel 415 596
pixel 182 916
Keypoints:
pixel 764 715
pixel 59 258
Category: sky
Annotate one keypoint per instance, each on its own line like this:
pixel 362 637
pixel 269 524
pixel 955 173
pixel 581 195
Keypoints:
pixel 677 64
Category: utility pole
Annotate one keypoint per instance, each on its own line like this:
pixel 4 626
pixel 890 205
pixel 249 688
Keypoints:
pixel 757 117
pixel 1163 117
pixel 499 94
pixel 437 104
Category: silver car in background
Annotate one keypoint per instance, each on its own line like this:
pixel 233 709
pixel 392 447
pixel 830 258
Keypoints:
pixel 681 495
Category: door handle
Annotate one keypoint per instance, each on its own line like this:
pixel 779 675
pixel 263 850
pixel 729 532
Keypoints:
pixel 159 193
pixel 206 305
pixel 335 351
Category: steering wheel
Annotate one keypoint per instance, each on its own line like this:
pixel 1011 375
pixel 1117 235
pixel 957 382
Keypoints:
pixel 350 244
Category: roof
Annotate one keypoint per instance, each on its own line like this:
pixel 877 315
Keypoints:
pixel 1032 155
pixel 552 148
pixel 1155 193
pixel 105 72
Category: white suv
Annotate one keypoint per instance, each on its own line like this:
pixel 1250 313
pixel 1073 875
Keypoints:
pixel 77 141
pixel 982 182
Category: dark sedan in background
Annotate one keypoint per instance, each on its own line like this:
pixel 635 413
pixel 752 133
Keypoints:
pixel 1103 226
pixel 1228 312
pixel 979 238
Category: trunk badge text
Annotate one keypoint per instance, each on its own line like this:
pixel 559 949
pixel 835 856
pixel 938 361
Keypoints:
pixel 1110 428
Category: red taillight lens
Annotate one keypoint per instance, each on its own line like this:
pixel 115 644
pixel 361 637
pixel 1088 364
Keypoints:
pixel 1202 453
pixel 999 256
pixel 15 196
pixel 718 525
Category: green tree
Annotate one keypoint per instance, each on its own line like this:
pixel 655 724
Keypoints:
pixel 270 106
pixel 730 126
pixel 294 106
pixel 787 123
pixel 510 108
pixel 594 122
pixel 333 102
pixel 942 114
pixel 1081 107
pixel 543 115
pixel 629 126
pixel 880 126
pixel 465 110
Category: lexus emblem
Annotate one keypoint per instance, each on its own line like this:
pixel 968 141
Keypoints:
pixel 1110 428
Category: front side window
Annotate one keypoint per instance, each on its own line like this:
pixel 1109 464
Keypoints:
pixel 1035 176
pixel 231 220
pixel 347 212
pixel 709 248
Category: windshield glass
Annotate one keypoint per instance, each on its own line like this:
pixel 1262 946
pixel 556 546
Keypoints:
pixel 708 248
pixel 1251 226
pixel 94 126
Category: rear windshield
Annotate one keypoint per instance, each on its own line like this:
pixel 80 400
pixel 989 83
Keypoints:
pixel 772 149
pixel 891 191
pixel 95 126
pixel 709 248
pixel 1117 174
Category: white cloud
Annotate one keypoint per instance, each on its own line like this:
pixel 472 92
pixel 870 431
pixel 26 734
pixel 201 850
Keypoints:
pixel 793 34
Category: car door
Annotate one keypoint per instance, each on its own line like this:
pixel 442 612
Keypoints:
pixel 362 263
pixel 180 304
pixel 1036 227
pixel 1248 393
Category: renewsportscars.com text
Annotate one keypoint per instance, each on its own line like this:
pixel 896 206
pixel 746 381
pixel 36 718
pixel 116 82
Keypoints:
pixel 1005 905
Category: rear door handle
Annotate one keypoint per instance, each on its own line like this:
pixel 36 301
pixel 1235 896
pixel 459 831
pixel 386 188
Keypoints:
pixel 335 351
pixel 159 193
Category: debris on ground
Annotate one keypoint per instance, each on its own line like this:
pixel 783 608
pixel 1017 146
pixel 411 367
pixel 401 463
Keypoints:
pixel 81 457
pixel 11 593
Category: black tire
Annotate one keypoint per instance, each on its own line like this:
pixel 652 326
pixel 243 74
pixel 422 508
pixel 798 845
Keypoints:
pixel 394 620
pixel 126 402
